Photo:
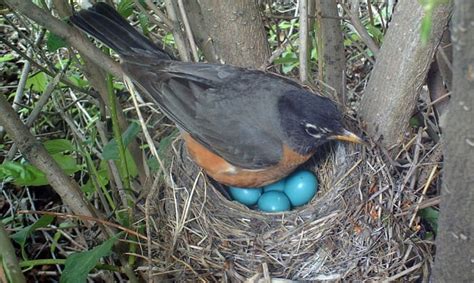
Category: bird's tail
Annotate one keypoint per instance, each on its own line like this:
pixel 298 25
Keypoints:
pixel 107 25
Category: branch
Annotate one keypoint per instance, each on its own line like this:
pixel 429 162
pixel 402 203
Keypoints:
pixel 303 56
pixel 189 32
pixel 35 153
pixel 400 71
pixel 178 36
pixel 10 267
pixel 359 27
pixel 68 33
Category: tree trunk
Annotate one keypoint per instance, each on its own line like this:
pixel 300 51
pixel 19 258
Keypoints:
pixel 235 30
pixel 455 242
pixel 334 60
pixel 402 64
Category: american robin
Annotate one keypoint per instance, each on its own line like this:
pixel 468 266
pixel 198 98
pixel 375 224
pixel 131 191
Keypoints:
pixel 245 128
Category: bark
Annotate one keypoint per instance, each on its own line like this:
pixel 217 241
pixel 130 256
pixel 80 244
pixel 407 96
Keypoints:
pixel 402 65
pixel 455 242
pixel 235 30
pixel 334 60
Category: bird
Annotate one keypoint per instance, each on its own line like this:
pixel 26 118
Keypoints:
pixel 244 127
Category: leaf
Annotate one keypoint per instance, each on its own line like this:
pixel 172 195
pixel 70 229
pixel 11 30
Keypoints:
pixel 77 80
pixel 37 82
pixel 7 57
pixel 67 163
pixel 102 177
pixel 164 146
pixel 21 236
pixel 110 151
pixel 22 174
pixel 287 59
pixel 125 8
pixel 54 42
pixel 431 216
pixel 78 265
pixel 58 145
pixel 28 175
pixel 145 23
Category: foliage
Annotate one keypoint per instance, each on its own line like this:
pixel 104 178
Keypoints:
pixel 78 265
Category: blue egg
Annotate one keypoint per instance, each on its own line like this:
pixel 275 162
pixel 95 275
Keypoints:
pixel 277 186
pixel 247 196
pixel 300 187
pixel 274 201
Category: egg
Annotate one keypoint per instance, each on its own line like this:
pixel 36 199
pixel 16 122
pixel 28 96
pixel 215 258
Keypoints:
pixel 277 186
pixel 274 201
pixel 247 196
pixel 300 187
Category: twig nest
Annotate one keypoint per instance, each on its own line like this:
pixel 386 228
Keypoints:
pixel 346 231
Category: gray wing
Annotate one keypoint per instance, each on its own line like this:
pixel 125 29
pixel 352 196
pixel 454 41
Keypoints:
pixel 211 103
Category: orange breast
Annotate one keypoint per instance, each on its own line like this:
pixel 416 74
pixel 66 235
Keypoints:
pixel 228 174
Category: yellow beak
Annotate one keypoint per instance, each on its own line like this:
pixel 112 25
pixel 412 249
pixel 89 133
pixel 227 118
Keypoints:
pixel 348 136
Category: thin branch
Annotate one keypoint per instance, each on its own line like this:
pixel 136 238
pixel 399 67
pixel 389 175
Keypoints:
pixel 303 56
pixel 68 33
pixel 37 109
pixel 359 27
pixel 188 30
pixel 159 13
pixel 41 68
pixel 34 151
pixel 9 260
pixel 177 34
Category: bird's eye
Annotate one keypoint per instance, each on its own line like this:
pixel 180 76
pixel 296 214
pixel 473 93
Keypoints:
pixel 312 130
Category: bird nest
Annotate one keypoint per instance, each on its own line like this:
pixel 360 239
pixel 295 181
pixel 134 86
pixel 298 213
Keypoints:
pixel 349 230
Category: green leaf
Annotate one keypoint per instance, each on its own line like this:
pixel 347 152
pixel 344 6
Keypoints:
pixel 28 175
pixel 375 32
pixel 287 59
pixel 58 145
pixel 110 151
pixel 22 174
pixel 37 82
pixel 163 148
pixel 54 42
pixel 78 265
pixel 67 163
pixel 7 57
pixel 77 80
pixel 125 8
pixel 145 23
pixel 102 177
pixel 21 236
pixel 431 216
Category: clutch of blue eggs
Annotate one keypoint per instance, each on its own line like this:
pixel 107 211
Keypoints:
pixel 293 191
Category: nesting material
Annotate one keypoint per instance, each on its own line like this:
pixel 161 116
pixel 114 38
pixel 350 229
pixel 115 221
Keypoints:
pixel 347 231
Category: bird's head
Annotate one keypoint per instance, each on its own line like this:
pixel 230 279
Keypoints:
pixel 311 120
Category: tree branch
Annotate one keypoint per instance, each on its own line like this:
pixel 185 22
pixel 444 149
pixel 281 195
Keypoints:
pixel 68 33
pixel 303 54
pixel 10 262
pixel 35 153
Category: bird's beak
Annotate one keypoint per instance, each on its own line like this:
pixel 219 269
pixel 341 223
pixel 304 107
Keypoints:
pixel 348 136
